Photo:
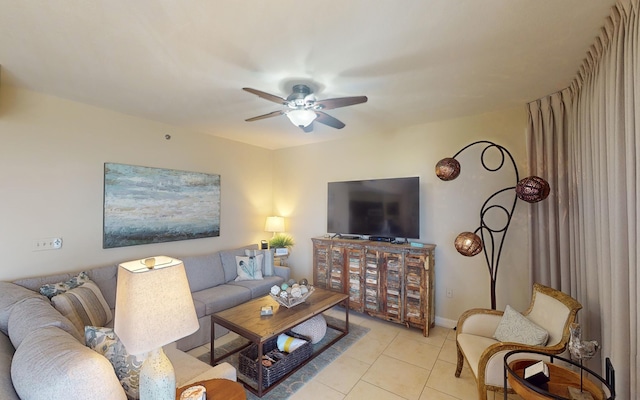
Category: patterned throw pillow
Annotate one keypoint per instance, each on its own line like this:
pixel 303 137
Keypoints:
pixel 53 289
pixel 249 268
pixel 83 305
pixel 515 327
pixel 267 264
pixel 126 366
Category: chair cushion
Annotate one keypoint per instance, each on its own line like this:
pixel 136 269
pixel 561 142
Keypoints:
pixel 515 327
pixel 473 346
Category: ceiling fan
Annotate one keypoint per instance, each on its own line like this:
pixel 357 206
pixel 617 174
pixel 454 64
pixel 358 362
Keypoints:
pixel 303 108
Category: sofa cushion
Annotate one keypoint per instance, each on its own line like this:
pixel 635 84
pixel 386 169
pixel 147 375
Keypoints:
pixel 53 289
pixel 30 315
pixel 50 364
pixel 222 297
pixel 515 327
pixel 83 305
pixel 259 287
pixel 127 366
pixel 107 279
pixel 201 308
pixel 228 259
pixel 10 295
pixel 249 267
pixel 203 271
pixel 6 355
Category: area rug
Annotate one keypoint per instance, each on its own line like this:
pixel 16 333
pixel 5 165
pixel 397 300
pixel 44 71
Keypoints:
pixel 293 383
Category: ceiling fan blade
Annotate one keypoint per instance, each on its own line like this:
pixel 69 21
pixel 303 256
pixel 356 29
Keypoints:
pixel 266 96
pixel 329 120
pixel 271 114
pixel 308 128
pixel 329 104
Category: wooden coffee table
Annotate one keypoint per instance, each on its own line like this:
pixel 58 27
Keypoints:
pixel 246 321
pixel 222 389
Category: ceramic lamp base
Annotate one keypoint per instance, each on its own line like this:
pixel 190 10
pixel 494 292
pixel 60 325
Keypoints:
pixel 157 377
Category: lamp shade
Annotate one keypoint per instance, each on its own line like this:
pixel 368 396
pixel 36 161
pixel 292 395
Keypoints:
pixel 532 189
pixel 448 169
pixel 301 117
pixel 274 224
pixel 153 304
pixel 468 244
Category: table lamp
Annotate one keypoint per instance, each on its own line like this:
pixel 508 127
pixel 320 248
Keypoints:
pixel 154 308
pixel 274 224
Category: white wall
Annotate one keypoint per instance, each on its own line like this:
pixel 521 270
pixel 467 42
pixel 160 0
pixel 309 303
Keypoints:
pixel 52 155
pixel 448 208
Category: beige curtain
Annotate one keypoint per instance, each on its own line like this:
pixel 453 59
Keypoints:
pixel 585 141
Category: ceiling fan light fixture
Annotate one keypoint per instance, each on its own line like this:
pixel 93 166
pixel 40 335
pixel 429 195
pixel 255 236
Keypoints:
pixel 301 117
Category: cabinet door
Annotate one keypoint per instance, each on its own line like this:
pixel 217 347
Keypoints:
pixel 336 273
pixel 321 265
pixel 355 266
pixel 393 277
pixel 415 293
pixel 371 282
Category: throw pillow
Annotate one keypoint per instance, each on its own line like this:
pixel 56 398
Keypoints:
pixel 53 289
pixel 515 327
pixel 248 268
pixel 288 344
pixel 83 305
pixel 127 366
pixel 267 264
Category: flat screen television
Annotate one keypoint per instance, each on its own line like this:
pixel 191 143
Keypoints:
pixel 376 207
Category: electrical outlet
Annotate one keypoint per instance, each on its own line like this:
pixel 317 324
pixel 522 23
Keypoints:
pixel 47 244
pixel 449 292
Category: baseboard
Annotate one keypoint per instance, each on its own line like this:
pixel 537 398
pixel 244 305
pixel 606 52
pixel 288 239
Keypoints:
pixel 445 322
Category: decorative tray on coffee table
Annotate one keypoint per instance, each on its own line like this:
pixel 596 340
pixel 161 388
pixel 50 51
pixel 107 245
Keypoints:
pixel 291 301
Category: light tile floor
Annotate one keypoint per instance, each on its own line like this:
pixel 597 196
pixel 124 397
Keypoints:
pixel 390 362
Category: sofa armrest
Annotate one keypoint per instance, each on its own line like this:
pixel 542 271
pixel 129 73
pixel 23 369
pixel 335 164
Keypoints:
pixel 283 272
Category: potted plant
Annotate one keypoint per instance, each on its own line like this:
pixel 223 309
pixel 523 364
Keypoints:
pixel 282 243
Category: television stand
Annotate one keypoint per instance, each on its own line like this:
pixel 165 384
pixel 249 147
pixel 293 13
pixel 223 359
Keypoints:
pixel 381 239
pixel 393 282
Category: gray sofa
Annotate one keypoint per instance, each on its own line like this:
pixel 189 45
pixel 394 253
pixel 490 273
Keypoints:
pixel 43 356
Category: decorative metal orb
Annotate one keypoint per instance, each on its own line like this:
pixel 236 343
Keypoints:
pixel 532 189
pixel 448 169
pixel 468 244
pixel 304 281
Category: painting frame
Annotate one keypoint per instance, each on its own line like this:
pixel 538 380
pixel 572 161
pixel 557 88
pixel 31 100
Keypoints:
pixel 144 205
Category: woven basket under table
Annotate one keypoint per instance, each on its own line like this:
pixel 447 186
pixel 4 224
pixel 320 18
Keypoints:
pixel 247 360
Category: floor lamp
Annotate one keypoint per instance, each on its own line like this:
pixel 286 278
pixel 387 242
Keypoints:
pixel 530 189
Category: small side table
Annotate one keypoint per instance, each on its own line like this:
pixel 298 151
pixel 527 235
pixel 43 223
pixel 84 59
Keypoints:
pixel 218 389
pixel 560 377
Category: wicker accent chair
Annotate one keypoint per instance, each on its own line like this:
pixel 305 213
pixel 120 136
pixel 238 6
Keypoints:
pixel 549 308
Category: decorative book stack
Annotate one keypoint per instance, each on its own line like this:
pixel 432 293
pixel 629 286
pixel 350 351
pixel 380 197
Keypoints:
pixel 537 374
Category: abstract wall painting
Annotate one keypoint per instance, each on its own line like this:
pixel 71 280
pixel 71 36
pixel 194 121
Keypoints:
pixel 145 205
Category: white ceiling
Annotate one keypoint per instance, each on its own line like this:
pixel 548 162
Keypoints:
pixel 184 62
